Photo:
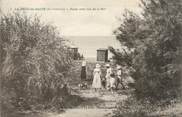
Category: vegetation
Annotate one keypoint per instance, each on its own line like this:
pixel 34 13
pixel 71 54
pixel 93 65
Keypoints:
pixel 156 40
pixel 34 63
pixel 154 50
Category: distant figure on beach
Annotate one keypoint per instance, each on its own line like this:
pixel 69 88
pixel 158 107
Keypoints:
pixel 96 84
pixel 83 71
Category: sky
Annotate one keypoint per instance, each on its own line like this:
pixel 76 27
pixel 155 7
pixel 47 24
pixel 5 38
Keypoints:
pixel 88 24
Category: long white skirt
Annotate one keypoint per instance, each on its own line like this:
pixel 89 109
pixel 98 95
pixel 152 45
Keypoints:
pixel 96 81
pixel 112 82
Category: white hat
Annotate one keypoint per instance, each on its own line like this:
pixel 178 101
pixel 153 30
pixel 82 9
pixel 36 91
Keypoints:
pixel 107 65
pixel 97 66
pixel 118 67
pixel 84 63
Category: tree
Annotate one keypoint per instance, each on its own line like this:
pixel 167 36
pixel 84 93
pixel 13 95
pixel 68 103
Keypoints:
pixel 156 38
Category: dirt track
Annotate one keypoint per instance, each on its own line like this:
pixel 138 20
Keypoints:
pixel 95 104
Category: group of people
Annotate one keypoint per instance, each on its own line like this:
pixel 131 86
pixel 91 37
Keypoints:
pixel 111 80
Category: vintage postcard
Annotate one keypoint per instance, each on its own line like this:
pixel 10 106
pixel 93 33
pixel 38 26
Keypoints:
pixel 91 58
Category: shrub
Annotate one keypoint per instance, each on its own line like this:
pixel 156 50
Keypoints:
pixel 34 61
pixel 133 108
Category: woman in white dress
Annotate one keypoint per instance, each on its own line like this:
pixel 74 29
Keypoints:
pixel 96 84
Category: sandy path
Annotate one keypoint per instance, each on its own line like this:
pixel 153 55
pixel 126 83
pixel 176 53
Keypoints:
pixel 87 113
pixel 95 104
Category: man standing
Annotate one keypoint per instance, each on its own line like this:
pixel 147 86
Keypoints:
pixel 108 73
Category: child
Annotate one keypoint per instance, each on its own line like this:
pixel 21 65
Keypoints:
pixel 112 82
pixel 119 77
pixel 103 82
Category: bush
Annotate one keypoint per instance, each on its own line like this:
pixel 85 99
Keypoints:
pixel 133 108
pixel 34 61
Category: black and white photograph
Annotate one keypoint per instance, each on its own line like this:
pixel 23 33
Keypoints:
pixel 90 58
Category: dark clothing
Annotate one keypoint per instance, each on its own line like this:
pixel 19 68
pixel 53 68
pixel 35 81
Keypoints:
pixel 103 82
pixel 83 73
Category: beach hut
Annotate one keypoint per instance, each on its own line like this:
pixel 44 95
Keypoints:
pixel 102 54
